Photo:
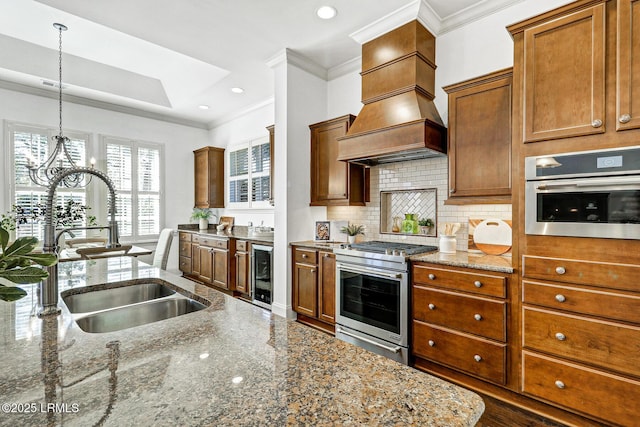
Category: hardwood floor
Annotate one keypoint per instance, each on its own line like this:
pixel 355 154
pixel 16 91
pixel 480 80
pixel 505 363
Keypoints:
pixel 499 414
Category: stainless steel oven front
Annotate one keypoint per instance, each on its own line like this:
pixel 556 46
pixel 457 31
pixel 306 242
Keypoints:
pixel 584 194
pixel 372 308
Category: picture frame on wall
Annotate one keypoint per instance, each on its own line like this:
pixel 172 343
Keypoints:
pixel 322 231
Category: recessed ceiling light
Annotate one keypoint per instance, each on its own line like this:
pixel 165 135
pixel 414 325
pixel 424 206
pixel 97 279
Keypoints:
pixel 237 90
pixel 203 107
pixel 326 12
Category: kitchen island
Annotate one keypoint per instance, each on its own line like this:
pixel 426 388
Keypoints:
pixel 232 363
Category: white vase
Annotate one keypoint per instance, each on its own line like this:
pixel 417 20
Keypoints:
pixel 204 223
pixel 351 239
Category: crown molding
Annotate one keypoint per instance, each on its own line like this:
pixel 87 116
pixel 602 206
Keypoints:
pixel 30 90
pixel 387 23
pixel 474 13
pixel 219 122
pixel 289 56
pixel 345 68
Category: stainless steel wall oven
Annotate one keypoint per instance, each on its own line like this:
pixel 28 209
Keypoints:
pixel 584 194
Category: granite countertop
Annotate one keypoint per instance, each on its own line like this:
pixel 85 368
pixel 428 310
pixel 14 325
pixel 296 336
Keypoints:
pixel 320 245
pixel 232 363
pixel 478 261
pixel 237 232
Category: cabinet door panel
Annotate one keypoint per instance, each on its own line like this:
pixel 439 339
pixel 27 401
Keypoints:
pixel 628 65
pixel 206 264
pixel 327 287
pixel 305 297
pixel 242 272
pixel 220 270
pixel 564 76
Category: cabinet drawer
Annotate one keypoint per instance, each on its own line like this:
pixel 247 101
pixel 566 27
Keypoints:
pixel 242 245
pixel 185 264
pixel 476 356
pixel 184 237
pixel 211 242
pixel 306 256
pixel 479 316
pixel 605 274
pixel 484 284
pixel 606 344
pixel 618 306
pixel 185 248
pixel 593 392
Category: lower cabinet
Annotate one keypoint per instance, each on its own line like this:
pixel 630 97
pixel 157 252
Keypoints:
pixel 460 320
pixel 243 263
pixel 314 287
pixel 209 261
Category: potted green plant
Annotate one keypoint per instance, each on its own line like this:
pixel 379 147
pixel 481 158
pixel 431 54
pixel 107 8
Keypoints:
pixel 18 265
pixel 352 231
pixel 202 215
pixel 426 225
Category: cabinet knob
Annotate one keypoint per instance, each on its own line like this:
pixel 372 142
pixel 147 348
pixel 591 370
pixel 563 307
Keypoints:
pixel 560 270
pixel 560 384
pixel 305 256
pixel 431 343
pixel 326 255
pixel 596 123
pixel 432 276
pixel 625 118
pixel 560 336
pixel 477 316
pixel 432 307
pixel 453 190
pixel 477 284
pixel 560 298
pixel 313 270
pixel 477 358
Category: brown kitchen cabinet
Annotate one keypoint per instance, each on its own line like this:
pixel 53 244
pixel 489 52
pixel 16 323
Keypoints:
pixel 479 147
pixel 564 76
pixel 460 320
pixel 243 263
pixel 628 65
pixel 580 325
pixel 209 177
pixel 313 288
pixel 184 249
pixel 210 261
pixel 334 182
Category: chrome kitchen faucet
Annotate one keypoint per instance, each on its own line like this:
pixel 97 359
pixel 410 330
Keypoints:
pixel 49 286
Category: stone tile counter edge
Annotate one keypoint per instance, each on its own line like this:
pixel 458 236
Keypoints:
pixel 500 264
pixel 230 364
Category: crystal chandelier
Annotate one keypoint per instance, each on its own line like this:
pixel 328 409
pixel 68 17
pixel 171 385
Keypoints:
pixel 60 159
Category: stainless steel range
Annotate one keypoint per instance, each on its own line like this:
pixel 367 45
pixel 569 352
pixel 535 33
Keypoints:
pixel 372 296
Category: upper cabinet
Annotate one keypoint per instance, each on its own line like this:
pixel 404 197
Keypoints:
pixel 334 182
pixel 628 65
pixel 209 177
pixel 564 81
pixel 480 139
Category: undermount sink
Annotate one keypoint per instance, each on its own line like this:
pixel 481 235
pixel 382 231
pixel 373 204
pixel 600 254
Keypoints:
pixel 115 297
pixel 137 314
pixel 123 307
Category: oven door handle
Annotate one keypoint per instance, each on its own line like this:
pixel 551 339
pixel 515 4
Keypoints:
pixel 609 182
pixel 369 271
pixel 395 349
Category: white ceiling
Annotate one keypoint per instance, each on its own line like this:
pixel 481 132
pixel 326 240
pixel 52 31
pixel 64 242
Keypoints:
pixel 164 58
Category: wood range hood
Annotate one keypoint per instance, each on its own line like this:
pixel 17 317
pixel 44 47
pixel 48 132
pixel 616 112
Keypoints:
pixel 399 120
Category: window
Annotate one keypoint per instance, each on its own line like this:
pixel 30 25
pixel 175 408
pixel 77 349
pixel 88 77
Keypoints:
pixel 136 171
pixel 37 142
pixel 249 174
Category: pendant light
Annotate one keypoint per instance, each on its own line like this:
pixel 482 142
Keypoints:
pixel 60 159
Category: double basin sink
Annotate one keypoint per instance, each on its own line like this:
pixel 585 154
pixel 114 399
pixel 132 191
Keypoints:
pixel 117 308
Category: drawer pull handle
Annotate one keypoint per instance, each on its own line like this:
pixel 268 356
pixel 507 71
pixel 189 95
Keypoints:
pixel 431 343
pixel 560 384
pixel 477 316
pixel 560 270
pixel 326 255
pixel 560 298
pixel 625 118
pixel 432 306
pixel 560 336
pixel 432 276
pixel 305 256
pixel 477 284
pixel 596 123
pixel 477 358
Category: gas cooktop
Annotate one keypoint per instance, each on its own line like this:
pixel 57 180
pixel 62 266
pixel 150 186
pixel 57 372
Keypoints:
pixel 378 246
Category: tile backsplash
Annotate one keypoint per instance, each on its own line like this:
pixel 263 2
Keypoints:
pixel 416 174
